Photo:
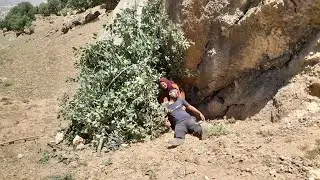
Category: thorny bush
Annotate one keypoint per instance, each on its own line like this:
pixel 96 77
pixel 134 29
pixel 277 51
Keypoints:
pixel 117 98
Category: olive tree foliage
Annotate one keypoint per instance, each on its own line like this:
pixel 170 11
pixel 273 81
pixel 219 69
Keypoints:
pixel 118 82
pixel 19 17
pixel 51 7
pixel 85 4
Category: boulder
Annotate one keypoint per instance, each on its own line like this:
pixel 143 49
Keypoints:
pixel 19 33
pixel 244 51
pixel 78 140
pixel 90 17
pixel 29 30
pixel 59 137
pixel 4 30
pixel 69 24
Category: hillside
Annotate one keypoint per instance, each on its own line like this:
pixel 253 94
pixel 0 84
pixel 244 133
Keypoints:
pixel 280 142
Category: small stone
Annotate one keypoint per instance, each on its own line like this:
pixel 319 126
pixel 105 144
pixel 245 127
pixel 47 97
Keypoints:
pixel 206 178
pixel 273 173
pixel 248 170
pixel 78 140
pixel 59 137
pixel 74 164
pixel 20 156
pixel 124 145
pixel 314 173
pixel 3 79
pixel 80 147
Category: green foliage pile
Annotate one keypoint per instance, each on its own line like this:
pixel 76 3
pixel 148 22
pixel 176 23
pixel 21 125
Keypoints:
pixel 51 7
pixel 117 98
pixel 19 17
pixel 85 4
pixel 55 6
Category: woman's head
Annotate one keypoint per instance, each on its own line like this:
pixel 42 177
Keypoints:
pixel 165 83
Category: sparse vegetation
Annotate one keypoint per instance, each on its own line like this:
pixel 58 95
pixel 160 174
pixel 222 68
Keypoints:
pixel 7 83
pixel 314 153
pixel 65 11
pixel 304 147
pixel 116 101
pixel 51 7
pixel 62 177
pixel 45 157
pixel 19 17
pixel 217 130
pixel 85 4
pixel 265 133
pixel 22 15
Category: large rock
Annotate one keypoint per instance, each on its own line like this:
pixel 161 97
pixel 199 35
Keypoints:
pixel 90 17
pixel 244 51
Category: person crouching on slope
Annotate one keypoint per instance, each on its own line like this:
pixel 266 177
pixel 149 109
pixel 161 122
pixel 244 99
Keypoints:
pixel 184 122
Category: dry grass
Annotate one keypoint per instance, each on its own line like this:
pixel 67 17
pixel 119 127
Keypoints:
pixel 265 133
pixel 314 153
pixel 217 130
pixel 304 147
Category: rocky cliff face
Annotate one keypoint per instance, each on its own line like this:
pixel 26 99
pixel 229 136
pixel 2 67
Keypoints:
pixel 243 50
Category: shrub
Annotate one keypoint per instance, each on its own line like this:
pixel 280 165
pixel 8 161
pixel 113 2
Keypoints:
pixel 65 11
pixel 19 17
pixel 63 177
pixel 63 3
pixel 79 4
pixel 85 4
pixel 117 97
pixel 54 6
pixel 217 130
pixel 43 9
pixel 51 7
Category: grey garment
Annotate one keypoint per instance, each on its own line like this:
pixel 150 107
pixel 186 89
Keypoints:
pixel 176 110
pixel 187 126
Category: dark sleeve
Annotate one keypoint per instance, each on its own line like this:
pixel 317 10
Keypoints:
pixel 184 102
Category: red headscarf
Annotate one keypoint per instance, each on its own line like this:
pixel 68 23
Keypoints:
pixel 168 82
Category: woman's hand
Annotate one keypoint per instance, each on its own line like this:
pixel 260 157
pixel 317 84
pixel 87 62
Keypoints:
pixel 167 123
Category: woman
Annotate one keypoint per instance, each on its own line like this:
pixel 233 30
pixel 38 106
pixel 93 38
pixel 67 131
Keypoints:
pixel 167 85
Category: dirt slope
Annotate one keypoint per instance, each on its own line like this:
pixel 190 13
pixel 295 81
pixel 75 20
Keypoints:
pixel 281 142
